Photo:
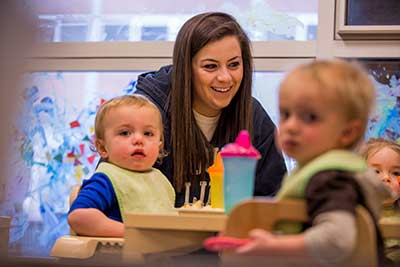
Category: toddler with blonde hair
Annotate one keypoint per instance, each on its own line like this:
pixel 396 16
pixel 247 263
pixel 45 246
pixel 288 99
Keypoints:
pixel 129 139
pixel 324 108
pixel 383 156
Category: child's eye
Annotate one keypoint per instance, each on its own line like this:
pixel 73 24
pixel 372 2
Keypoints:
pixel 283 114
pixel 124 133
pixel 310 117
pixel 148 133
pixel 396 173
pixel 376 171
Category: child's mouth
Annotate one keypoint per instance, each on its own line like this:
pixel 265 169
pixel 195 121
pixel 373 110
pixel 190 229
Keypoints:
pixel 138 154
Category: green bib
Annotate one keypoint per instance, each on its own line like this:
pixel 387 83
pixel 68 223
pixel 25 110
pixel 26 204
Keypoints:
pixel 148 192
pixel 294 185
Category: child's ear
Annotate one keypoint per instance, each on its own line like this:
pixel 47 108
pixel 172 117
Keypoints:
pixel 160 146
pixel 351 132
pixel 101 149
pixel 278 143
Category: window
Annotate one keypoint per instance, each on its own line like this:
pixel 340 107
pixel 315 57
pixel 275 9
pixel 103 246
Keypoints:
pixel 46 30
pixel 73 33
pixel 373 12
pixel 116 33
pixel 372 19
pixel 154 33
pixel 263 20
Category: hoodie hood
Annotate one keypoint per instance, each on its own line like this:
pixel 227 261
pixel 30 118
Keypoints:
pixel 156 85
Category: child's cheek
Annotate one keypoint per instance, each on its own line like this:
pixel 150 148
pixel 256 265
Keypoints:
pixel 396 187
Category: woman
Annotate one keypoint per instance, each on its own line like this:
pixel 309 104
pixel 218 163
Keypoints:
pixel 205 98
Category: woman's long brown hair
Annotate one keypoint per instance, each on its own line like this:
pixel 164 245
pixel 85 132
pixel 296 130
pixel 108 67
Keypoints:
pixel 192 154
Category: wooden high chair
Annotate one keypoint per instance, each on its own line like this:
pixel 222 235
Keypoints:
pixel 82 247
pixel 265 213
pixel 146 234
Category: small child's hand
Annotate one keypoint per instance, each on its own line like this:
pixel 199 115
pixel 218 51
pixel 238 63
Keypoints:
pixel 260 241
pixel 222 243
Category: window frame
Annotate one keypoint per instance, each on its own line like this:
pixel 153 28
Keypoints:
pixel 360 32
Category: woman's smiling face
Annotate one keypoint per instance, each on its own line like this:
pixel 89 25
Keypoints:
pixel 217 71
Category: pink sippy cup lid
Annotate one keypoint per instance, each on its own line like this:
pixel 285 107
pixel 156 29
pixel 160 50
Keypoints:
pixel 241 148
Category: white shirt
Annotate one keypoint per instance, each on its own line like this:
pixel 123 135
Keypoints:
pixel 207 124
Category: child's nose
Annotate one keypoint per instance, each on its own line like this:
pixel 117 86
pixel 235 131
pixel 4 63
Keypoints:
pixel 386 178
pixel 137 138
pixel 292 124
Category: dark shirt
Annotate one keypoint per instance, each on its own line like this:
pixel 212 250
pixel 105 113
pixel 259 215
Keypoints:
pixel 270 168
pixel 334 190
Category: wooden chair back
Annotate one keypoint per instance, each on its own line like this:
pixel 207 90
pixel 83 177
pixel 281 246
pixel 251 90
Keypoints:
pixel 74 193
pixel 4 234
pixel 265 213
pixel 72 196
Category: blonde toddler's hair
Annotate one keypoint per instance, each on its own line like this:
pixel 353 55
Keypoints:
pixel 373 145
pixel 126 100
pixel 348 84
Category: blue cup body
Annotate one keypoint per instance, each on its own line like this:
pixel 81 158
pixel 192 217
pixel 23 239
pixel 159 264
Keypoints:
pixel 238 180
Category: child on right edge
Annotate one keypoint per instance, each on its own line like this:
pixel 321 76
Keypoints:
pixel 384 157
pixel 324 108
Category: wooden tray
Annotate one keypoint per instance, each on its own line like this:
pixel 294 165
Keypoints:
pixel 158 233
